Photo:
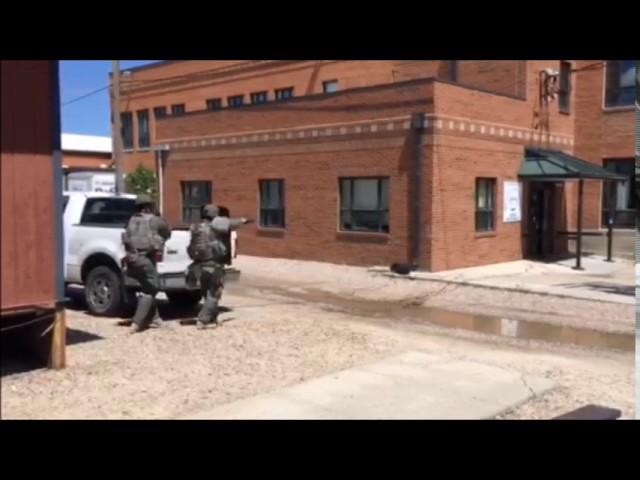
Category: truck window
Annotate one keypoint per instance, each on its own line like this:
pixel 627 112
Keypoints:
pixel 108 212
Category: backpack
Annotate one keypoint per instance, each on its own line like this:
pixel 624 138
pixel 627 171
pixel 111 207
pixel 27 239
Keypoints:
pixel 205 245
pixel 139 236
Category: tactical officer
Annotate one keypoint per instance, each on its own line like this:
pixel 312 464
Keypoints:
pixel 144 237
pixel 208 250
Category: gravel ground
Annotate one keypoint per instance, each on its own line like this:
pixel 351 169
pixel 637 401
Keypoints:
pixel 178 370
pixel 273 339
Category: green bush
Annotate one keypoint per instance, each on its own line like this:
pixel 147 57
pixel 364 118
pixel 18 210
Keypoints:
pixel 141 180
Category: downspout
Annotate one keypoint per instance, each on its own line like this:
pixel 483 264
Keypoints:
pixel 161 153
pixel 417 126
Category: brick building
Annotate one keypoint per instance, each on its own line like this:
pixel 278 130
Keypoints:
pixel 374 162
pixel 86 151
pixel 85 154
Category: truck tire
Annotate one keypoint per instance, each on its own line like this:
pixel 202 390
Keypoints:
pixel 103 292
pixel 184 298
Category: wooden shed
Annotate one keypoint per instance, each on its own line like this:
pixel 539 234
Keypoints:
pixel 32 288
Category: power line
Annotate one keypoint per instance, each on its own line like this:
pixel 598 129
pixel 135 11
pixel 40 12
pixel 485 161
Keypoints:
pixel 85 96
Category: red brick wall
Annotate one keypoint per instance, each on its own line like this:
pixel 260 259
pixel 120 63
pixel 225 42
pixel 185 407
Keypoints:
pixel 454 164
pixel 453 158
pixel 225 78
pixel 311 191
pixel 459 157
pixel 507 77
pixel 455 100
pixel 133 159
pixel 73 159
pixel 600 133
pixel 192 82
pixel 363 104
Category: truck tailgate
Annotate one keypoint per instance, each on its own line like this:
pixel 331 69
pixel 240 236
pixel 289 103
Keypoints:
pixel 176 261
pixel 175 258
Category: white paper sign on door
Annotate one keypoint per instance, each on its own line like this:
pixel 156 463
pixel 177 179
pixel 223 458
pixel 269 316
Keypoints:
pixel 512 210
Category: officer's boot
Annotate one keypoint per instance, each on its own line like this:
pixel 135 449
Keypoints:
pixel 143 312
pixel 156 321
pixel 208 312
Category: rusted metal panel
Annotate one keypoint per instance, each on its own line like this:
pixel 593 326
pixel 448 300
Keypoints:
pixel 31 184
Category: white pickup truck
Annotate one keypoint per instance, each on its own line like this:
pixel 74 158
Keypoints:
pixel 93 225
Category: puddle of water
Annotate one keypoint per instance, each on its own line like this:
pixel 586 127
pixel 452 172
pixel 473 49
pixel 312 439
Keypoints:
pixel 398 312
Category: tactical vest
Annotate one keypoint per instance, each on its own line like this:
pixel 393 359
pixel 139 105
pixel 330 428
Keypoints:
pixel 139 236
pixel 205 244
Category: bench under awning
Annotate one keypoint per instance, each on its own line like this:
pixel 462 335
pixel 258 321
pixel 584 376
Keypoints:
pixel 553 165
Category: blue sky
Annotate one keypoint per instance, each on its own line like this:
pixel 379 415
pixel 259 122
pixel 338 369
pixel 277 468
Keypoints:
pixel 89 115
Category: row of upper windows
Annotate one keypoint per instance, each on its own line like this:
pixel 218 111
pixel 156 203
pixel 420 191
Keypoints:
pixel 233 101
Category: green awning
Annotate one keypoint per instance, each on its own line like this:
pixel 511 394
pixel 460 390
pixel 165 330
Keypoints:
pixel 553 165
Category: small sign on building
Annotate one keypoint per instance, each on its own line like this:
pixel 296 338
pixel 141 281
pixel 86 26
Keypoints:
pixel 512 202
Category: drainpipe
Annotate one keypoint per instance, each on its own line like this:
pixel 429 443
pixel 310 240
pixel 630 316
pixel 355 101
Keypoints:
pixel 579 236
pixel 161 154
pixel 417 126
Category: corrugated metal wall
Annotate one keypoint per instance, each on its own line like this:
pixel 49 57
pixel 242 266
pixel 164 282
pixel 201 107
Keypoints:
pixel 31 220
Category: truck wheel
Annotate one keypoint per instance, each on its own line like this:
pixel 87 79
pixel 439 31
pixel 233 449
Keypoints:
pixel 103 292
pixel 184 298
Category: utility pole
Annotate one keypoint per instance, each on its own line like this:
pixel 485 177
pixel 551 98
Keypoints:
pixel 117 129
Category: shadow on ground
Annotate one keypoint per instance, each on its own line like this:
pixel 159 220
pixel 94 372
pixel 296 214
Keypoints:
pixel 604 287
pixel 75 336
pixel 168 311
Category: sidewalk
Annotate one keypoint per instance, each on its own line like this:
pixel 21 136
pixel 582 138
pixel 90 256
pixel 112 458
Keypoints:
pixel 600 280
pixel 411 386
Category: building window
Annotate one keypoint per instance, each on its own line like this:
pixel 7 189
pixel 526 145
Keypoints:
pixel 159 112
pixel 214 104
pixel 485 204
pixel 620 90
pixel 364 204
pixel 108 212
pixel 272 203
pixel 330 86
pixel 259 97
pixel 564 90
pixel 284 93
pixel 143 129
pixel 235 101
pixel 624 201
pixel 195 195
pixel 126 125
pixel 177 109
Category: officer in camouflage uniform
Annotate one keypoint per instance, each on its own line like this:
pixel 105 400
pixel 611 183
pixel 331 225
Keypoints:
pixel 143 238
pixel 207 249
